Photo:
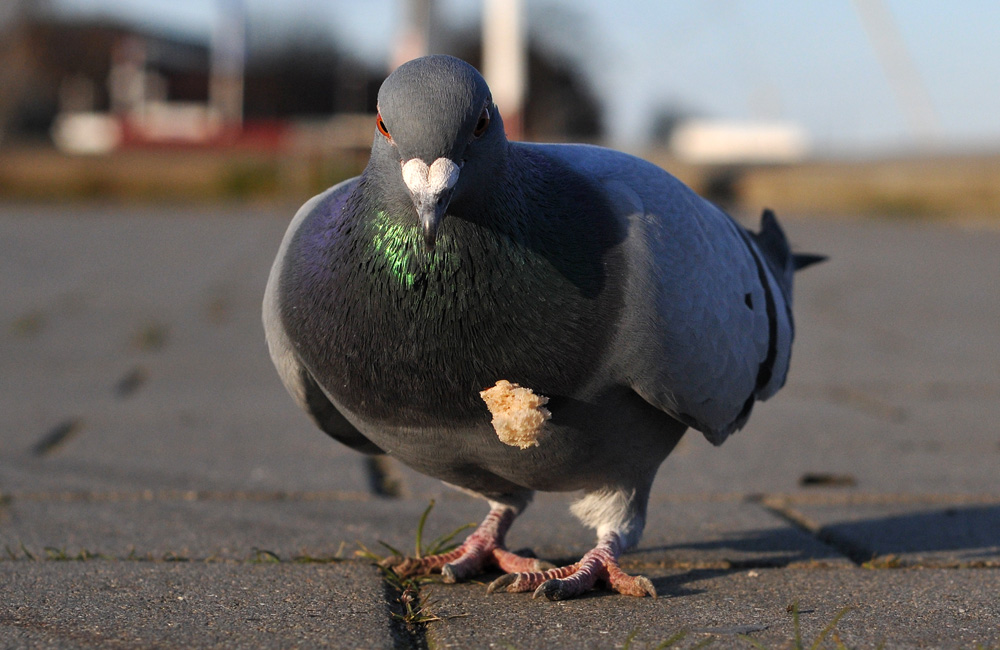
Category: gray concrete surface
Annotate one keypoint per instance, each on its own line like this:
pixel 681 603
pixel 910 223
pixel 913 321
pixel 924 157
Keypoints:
pixel 190 605
pixel 929 608
pixel 159 489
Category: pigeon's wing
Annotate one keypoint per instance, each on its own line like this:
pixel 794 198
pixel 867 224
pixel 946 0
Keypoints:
pixel 297 379
pixel 706 326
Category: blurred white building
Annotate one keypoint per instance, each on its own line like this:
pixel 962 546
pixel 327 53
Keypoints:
pixel 718 142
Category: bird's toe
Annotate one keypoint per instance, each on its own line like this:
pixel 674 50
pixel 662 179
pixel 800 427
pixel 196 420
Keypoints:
pixel 633 586
pixel 502 583
pixel 556 590
pixel 519 562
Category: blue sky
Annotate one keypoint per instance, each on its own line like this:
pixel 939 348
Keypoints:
pixel 811 62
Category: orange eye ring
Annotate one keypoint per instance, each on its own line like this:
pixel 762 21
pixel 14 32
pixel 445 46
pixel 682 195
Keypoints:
pixel 483 123
pixel 380 125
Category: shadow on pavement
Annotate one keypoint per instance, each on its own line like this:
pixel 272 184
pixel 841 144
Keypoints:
pixel 954 533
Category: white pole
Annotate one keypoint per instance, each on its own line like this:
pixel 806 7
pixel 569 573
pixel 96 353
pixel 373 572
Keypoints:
pixel 228 55
pixel 505 61
pixel 414 39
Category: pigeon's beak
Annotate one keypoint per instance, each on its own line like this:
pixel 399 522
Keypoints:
pixel 431 189
pixel 431 210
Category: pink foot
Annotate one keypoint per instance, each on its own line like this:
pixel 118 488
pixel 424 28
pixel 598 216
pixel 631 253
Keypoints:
pixel 599 564
pixel 480 550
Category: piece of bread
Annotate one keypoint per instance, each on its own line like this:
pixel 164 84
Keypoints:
pixel 518 414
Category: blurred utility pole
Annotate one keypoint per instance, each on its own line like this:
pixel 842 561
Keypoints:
pixel 505 61
pixel 127 78
pixel 228 59
pixel 900 70
pixel 414 40
pixel 15 57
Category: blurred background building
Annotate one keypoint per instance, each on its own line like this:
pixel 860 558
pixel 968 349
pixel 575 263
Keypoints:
pixel 96 81
pixel 731 95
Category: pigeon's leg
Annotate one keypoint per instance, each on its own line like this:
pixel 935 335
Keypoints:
pixel 598 565
pixel 480 550
pixel 619 515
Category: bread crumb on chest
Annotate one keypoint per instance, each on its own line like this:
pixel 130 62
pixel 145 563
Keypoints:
pixel 519 415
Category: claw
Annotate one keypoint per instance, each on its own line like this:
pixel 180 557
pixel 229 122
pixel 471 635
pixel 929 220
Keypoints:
pixel 501 583
pixel 552 590
pixel 448 574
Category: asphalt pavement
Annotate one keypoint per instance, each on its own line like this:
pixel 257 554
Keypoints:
pixel 158 488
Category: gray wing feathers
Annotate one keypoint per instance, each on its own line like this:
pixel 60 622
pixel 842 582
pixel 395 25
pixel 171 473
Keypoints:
pixel 724 333
pixel 706 329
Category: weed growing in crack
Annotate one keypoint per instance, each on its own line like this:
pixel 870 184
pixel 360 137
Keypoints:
pixel 414 610
pixel 676 638
pixel 437 546
pixel 54 554
pixel 60 555
pixel 12 554
pixel 819 642
pixel 890 561
pixel 305 558
pixel 406 589
pixel 262 556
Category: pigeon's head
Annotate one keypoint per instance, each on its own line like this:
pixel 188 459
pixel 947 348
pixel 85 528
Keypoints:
pixel 439 131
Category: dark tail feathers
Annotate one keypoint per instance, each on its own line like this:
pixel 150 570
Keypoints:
pixel 802 260
pixel 773 244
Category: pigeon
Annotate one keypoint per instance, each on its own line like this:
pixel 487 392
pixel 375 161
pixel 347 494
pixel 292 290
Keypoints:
pixel 590 280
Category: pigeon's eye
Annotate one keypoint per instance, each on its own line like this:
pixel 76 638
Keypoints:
pixel 380 125
pixel 482 124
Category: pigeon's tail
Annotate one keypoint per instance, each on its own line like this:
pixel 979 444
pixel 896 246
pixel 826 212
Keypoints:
pixel 783 262
pixel 802 260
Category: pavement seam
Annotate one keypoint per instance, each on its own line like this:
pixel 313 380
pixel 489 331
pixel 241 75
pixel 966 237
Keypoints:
pixel 858 554
pixel 253 556
pixel 405 634
pixel 137 496
pixel 782 509
pixel 779 500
